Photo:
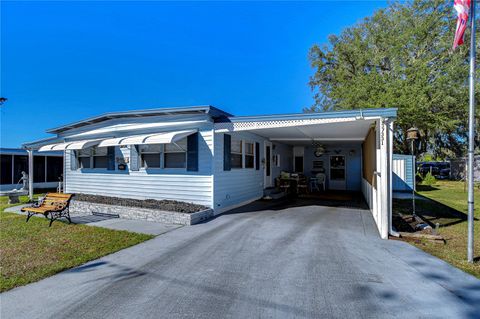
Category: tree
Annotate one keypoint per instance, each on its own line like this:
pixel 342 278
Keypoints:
pixel 400 57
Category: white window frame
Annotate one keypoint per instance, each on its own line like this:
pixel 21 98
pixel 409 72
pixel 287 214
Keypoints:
pixel 90 160
pixel 179 150
pixel 160 156
pixel 276 160
pixel 245 154
pixel 91 157
pixel 242 151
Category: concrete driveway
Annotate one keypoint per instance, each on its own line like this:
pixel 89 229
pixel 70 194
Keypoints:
pixel 297 262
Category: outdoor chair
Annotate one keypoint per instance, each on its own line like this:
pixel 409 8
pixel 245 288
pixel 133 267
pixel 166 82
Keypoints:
pixel 302 186
pixel 284 185
pixel 318 180
pixel 55 205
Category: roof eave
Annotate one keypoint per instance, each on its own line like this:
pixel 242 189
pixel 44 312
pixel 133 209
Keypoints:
pixel 207 109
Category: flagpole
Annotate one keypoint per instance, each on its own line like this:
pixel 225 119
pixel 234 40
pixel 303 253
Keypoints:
pixel 471 134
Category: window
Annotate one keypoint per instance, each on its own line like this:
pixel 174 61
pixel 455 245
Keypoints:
pixel 276 160
pixel 236 154
pixel 150 155
pixel 39 169
pixel 100 157
pixel 175 155
pixel 20 164
pixel 84 158
pixel 6 169
pixel 93 157
pixel 249 155
pixel 54 168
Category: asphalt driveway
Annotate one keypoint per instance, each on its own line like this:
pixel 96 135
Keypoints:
pixel 297 262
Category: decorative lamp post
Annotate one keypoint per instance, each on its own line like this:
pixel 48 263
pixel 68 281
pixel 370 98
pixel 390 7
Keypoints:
pixel 412 136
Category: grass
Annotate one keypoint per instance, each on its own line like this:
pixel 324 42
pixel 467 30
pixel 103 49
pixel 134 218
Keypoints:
pixel 448 207
pixel 32 251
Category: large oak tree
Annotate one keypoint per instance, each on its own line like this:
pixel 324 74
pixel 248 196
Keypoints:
pixel 400 57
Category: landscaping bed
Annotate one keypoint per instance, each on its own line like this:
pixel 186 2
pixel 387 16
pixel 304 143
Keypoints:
pixel 164 205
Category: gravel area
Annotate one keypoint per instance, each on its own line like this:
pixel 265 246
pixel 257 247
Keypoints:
pixel 167 205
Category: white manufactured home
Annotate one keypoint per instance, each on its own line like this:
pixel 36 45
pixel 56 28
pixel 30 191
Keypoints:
pixel 206 156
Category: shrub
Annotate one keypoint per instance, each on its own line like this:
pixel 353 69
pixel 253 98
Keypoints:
pixel 428 179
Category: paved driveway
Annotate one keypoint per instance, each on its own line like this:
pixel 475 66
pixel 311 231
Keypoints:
pixel 299 262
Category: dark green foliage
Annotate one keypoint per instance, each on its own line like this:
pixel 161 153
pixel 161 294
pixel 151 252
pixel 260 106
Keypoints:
pixel 400 57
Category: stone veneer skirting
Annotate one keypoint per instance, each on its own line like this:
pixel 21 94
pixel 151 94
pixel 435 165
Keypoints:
pixel 81 208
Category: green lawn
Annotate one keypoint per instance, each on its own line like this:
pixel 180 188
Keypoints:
pixel 32 251
pixel 448 207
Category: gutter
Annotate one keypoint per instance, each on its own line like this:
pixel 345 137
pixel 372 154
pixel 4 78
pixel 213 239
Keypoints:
pixel 389 124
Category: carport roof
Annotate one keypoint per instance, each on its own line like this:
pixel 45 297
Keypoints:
pixel 336 126
pixel 375 112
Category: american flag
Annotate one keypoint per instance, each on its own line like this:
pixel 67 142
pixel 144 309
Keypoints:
pixel 462 7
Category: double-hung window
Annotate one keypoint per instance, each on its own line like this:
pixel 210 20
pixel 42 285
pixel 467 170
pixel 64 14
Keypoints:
pixel 150 155
pixel 236 154
pixel 249 155
pixel 93 157
pixel 100 157
pixel 175 155
pixel 84 158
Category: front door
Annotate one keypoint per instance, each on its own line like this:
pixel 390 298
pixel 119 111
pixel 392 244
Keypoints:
pixel 267 179
pixel 337 180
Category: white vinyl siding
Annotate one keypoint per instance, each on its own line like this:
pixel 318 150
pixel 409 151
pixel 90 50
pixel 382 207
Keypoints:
pixel 236 186
pixel 162 183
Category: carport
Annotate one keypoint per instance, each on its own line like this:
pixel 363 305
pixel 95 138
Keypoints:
pixel 352 148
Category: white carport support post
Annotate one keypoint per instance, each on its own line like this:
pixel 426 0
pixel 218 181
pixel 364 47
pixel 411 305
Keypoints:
pixel 385 189
pixel 30 173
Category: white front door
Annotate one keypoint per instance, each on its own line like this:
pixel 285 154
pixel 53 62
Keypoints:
pixel 338 173
pixel 267 178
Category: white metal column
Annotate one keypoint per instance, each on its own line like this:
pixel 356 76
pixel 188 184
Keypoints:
pixel 30 174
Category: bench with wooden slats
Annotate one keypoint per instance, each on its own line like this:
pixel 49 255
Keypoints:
pixel 55 205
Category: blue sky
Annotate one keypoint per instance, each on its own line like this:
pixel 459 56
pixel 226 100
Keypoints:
pixel 65 61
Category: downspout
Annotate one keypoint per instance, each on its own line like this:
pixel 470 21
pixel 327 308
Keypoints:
pixel 389 130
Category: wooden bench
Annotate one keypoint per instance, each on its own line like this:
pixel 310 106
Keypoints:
pixel 54 204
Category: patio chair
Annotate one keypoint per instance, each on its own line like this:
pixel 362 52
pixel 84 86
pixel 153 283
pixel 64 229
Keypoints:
pixel 302 186
pixel 318 180
pixel 284 185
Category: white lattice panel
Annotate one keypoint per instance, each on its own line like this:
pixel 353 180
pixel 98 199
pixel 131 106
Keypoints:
pixel 258 125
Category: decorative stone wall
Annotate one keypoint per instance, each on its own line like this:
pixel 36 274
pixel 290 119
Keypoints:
pixel 82 208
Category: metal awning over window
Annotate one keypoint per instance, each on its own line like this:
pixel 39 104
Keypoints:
pixel 75 145
pixel 157 138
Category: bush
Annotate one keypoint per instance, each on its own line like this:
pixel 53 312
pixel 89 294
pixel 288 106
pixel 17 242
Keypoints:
pixel 429 179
